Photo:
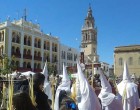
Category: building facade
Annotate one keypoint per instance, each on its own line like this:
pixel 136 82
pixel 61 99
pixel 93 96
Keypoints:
pixel 130 54
pixel 68 56
pixel 29 45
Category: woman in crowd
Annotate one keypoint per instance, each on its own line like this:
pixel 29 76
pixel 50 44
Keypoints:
pixel 22 101
pixel 40 96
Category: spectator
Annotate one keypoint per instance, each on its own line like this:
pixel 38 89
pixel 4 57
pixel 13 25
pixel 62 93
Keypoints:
pixel 22 101
pixel 41 97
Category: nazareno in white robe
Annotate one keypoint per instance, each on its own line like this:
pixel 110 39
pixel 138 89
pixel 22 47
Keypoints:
pixel 128 90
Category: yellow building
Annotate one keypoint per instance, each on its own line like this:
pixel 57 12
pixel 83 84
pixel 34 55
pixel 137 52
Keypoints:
pixel 29 45
pixel 130 54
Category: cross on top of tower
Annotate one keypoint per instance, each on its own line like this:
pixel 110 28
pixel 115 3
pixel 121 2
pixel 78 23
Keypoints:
pixel 89 14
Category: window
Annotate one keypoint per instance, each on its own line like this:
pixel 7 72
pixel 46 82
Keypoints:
pixel 29 65
pixel 24 65
pixel 35 66
pixel 25 51
pixel 130 61
pixel 120 61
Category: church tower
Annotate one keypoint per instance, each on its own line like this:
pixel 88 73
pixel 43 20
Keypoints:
pixel 89 37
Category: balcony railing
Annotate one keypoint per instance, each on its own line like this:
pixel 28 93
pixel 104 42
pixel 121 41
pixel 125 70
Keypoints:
pixel 27 56
pixel 37 58
pixel 37 70
pixel 18 55
pixel 22 69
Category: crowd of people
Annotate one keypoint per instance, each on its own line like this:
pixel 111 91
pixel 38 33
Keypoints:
pixel 112 94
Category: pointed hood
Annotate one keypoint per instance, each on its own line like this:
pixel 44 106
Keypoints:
pixel 106 87
pixel 65 85
pixel 65 75
pixel 45 71
pixel 89 100
pixel 47 86
pixel 106 96
pixel 126 75
pixel 80 72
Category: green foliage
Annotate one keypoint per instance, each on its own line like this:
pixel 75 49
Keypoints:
pixel 8 65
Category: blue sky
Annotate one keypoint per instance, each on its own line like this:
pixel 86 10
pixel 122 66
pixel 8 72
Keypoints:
pixel 118 21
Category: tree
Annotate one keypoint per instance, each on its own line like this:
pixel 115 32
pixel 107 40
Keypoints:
pixel 7 64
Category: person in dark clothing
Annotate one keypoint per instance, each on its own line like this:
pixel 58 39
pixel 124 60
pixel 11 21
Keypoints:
pixel 40 96
pixel 22 101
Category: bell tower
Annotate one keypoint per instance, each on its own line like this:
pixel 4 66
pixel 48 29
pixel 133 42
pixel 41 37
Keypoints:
pixel 89 37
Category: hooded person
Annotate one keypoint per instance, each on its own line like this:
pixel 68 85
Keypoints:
pixel 108 100
pixel 128 91
pixel 65 85
pixel 47 87
pixel 89 100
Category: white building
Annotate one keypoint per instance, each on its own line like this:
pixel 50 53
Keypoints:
pixel 29 45
pixel 68 56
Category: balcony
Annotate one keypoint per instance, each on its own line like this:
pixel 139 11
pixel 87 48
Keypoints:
pixel 37 70
pixel 18 55
pixel 37 58
pixel 27 56
pixel 22 69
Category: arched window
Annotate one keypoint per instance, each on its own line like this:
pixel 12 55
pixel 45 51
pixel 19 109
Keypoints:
pixel 38 66
pixel 120 61
pixel 130 61
pixel 13 36
pixel 18 39
pixel 24 64
pixel 86 37
pixel 29 65
pixel 35 44
pixel 64 55
pixel 45 56
pixel 87 24
pixel 83 38
pixel 48 46
pixel 38 54
pixel 45 46
pixel 35 54
pixel 55 47
pixel 39 43
pixel 17 50
pixel 29 52
pixel 25 40
pixel 52 46
pixel 35 66
pixel 139 61
pixel 29 41
pixel 13 49
pixel 25 51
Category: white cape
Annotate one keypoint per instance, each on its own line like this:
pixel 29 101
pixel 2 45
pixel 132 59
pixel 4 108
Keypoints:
pixel 47 87
pixel 128 91
pixel 108 100
pixel 131 99
pixel 65 85
pixel 89 100
pixel 47 90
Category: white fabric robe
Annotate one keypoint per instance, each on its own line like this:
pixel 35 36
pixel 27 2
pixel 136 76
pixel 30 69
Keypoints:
pixel 89 100
pixel 131 100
